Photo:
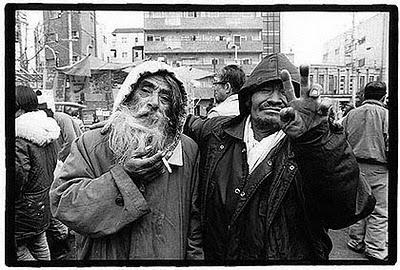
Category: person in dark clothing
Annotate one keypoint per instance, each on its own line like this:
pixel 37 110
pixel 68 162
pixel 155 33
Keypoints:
pixel 274 179
pixel 35 161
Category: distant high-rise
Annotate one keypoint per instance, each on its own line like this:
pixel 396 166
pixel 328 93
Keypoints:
pixel 210 40
pixel 364 46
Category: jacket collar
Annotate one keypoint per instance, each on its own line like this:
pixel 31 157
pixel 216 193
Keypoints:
pixel 373 101
pixel 37 127
pixel 235 127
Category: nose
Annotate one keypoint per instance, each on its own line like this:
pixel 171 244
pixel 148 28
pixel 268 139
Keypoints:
pixel 276 98
pixel 153 102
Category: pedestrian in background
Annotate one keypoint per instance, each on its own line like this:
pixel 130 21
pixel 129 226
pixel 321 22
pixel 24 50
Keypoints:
pixel 35 161
pixel 226 86
pixel 367 130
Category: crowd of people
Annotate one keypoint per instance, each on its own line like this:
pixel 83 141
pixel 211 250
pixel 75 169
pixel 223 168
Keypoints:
pixel 263 177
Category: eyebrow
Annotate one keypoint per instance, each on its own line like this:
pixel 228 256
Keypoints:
pixel 147 84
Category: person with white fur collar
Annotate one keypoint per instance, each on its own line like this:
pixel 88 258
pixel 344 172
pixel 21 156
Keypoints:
pixel 35 161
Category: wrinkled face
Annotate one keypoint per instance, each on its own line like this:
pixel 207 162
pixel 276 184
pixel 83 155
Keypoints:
pixel 151 98
pixel 266 104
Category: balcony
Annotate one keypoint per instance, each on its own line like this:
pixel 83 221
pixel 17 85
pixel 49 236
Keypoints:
pixel 208 24
pixel 201 47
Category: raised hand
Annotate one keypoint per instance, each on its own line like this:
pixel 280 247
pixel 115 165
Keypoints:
pixel 305 112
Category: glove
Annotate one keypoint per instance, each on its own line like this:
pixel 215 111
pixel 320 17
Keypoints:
pixel 306 112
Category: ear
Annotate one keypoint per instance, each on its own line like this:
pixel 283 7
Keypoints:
pixel 228 88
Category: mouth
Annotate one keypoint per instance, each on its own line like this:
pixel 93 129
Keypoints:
pixel 271 109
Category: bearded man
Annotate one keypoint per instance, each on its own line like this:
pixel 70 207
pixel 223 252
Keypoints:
pixel 114 189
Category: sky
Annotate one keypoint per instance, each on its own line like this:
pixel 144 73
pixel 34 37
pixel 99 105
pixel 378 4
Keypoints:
pixel 302 33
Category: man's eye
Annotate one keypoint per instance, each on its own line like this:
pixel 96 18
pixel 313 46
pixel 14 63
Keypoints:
pixel 164 98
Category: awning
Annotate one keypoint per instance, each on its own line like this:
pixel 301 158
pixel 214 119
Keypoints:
pixel 90 63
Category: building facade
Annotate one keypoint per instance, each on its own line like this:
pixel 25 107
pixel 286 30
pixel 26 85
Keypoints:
pixel 210 40
pixel 126 45
pixel 71 34
pixel 364 47
pixel 338 82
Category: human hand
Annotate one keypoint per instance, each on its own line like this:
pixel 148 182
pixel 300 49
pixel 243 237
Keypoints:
pixel 305 112
pixel 145 168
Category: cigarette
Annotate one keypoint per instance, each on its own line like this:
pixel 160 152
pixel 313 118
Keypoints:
pixel 166 164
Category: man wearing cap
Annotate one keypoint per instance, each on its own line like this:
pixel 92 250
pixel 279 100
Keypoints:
pixel 226 86
pixel 367 130
pixel 130 188
pixel 274 179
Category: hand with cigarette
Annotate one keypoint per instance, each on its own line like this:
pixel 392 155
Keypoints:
pixel 147 168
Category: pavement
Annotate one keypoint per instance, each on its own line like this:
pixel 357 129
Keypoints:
pixel 339 238
pixel 340 250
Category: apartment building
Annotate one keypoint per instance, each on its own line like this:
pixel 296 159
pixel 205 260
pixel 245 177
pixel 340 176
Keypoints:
pixel 126 45
pixel 363 47
pixel 210 40
pixel 338 82
pixel 70 34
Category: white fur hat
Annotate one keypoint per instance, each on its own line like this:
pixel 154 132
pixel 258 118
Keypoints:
pixel 147 67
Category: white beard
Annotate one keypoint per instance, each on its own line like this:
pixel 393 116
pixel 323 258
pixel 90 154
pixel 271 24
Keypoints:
pixel 136 136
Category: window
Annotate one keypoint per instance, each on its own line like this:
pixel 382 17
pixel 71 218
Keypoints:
pixel 337 51
pixel 331 86
pixel 311 79
pixel 136 39
pixel 150 38
pixel 325 57
pixel 237 40
pixel 362 81
pixel 371 78
pixel 75 34
pixel 75 58
pixel 124 40
pixel 361 62
pixel 342 82
pixel 124 54
pixel 114 53
pixel 190 14
pixel 136 54
pixel 158 38
pixel 321 80
pixel 246 61
pixel 361 40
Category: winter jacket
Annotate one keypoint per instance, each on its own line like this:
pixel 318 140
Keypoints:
pixel 117 217
pixel 69 131
pixel 284 208
pixel 228 107
pixel 35 161
pixel 367 129
pixel 95 197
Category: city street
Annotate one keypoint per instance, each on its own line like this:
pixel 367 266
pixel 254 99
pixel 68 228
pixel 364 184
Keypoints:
pixel 340 250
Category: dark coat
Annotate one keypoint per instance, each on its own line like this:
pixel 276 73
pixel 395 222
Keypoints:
pixel 287 204
pixel 35 161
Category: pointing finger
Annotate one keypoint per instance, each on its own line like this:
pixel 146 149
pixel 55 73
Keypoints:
pixel 304 80
pixel 287 85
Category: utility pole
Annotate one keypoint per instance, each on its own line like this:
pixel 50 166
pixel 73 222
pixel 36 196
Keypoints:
pixel 70 36
pixel 353 48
